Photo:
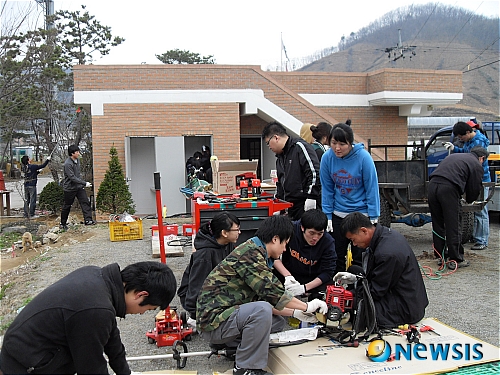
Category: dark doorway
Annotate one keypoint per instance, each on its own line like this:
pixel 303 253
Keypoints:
pixel 250 150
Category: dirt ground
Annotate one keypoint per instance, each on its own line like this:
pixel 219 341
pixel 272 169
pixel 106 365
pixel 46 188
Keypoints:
pixel 12 259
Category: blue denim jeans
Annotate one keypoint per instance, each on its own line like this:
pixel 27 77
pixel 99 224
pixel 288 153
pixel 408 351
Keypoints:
pixel 482 224
pixel 29 201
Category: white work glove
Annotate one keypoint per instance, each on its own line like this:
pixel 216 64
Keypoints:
pixel 289 281
pixel 88 185
pixel 374 221
pixel 296 289
pixel 449 146
pixel 303 317
pixel 345 278
pixel 192 323
pixel 316 305
pixel 310 204
pixel 49 157
pixel 277 213
pixel 329 227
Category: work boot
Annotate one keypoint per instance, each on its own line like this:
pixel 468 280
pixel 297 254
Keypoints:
pixel 63 226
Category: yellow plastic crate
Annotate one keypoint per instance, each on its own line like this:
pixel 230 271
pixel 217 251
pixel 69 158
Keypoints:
pixel 125 231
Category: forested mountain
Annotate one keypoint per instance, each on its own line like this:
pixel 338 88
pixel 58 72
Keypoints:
pixel 441 38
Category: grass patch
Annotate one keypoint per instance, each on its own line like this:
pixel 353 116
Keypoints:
pixel 7 239
pixel 3 289
pixel 5 326
pixel 26 301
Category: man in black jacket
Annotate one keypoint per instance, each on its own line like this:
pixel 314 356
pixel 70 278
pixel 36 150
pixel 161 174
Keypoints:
pixel 308 264
pixel 74 186
pixel 67 327
pixel 456 175
pixel 297 166
pixel 392 271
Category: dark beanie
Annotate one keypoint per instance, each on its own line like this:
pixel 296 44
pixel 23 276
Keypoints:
pixel 72 149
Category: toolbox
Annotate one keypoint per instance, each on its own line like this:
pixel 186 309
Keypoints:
pixel 251 213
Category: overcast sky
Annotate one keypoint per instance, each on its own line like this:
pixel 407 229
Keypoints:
pixel 239 32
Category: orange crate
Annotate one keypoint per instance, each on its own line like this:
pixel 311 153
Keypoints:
pixel 125 231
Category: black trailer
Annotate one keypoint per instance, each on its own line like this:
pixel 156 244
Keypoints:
pixel 403 189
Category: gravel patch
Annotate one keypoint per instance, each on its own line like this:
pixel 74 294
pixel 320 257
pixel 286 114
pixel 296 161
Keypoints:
pixel 467 300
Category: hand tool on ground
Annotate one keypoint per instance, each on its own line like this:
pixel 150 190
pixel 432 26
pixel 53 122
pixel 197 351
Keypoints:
pixel 428 329
pixel 413 336
pixel 354 344
pixel 312 354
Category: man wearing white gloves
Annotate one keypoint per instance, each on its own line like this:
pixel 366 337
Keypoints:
pixel 308 265
pixel 297 166
pixel 241 302
pixel 392 271
pixel 74 186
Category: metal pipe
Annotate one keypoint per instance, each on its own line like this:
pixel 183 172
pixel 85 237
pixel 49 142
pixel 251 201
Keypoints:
pixel 161 356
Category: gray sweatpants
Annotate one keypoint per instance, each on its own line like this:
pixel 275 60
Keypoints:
pixel 248 327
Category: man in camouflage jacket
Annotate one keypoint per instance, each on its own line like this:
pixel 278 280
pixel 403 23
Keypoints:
pixel 242 301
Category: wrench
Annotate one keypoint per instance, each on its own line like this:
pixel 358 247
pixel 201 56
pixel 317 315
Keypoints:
pixel 311 355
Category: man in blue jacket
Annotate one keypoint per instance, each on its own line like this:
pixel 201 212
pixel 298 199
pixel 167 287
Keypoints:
pixel 472 138
pixel 30 180
pixel 308 265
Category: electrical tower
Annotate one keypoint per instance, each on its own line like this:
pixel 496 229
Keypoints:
pixel 398 51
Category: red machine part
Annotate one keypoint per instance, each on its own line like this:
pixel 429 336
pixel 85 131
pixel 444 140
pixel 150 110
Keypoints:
pixel 169 327
pixel 265 200
pixel 339 301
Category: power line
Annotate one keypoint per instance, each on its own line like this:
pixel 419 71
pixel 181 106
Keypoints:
pixel 458 32
pixel 481 53
pixel 482 66
pixel 435 6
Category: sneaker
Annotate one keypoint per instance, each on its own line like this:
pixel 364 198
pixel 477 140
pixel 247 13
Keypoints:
pixel 452 265
pixel 63 226
pixel 90 222
pixel 479 246
pixel 247 371
pixel 440 261
pixel 34 217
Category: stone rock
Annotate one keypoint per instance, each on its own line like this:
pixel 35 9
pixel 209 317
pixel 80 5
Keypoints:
pixel 16 229
pixel 53 237
pixel 42 229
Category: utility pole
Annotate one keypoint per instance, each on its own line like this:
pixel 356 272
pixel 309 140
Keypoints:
pixel 48 5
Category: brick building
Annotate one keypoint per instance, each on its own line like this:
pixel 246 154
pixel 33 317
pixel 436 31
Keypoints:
pixel 158 115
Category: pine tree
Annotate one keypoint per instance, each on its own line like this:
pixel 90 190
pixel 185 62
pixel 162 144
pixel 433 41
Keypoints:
pixel 113 196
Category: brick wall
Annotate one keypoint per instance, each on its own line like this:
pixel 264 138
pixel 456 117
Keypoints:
pixel 223 121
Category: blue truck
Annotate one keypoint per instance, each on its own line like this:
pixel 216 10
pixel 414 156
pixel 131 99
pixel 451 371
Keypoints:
pixel 403 183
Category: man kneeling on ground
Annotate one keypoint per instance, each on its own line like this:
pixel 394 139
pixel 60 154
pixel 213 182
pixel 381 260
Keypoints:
pixel 242 302
pixel 392 271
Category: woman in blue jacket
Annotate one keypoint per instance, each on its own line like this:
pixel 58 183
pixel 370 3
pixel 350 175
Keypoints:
pixel 349 183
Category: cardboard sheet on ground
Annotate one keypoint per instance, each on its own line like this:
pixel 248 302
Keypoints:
pixel 347 360
pixel 171 243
